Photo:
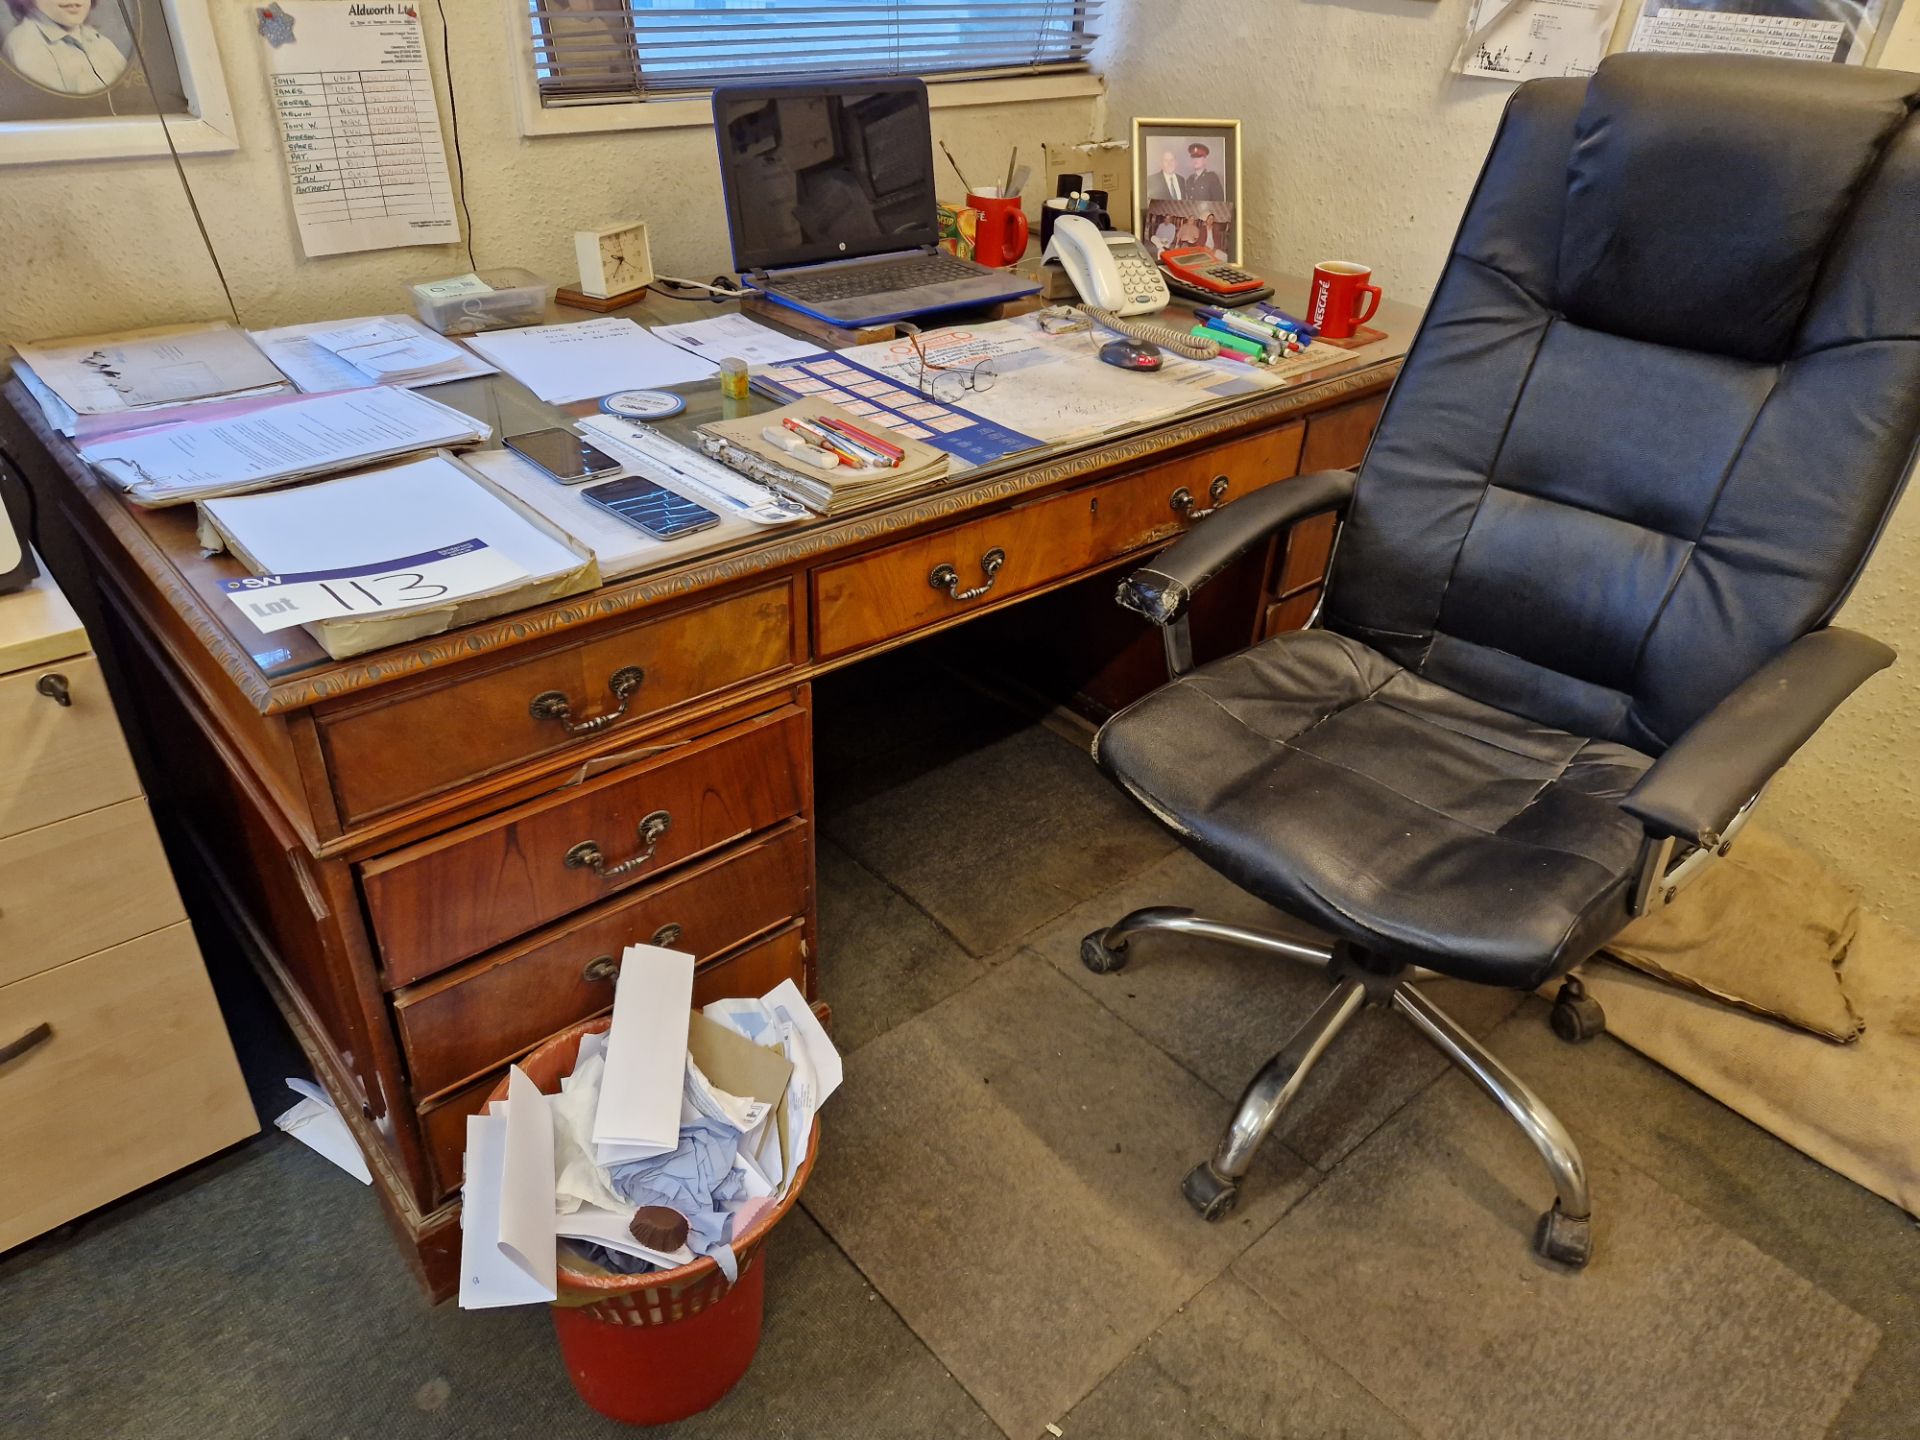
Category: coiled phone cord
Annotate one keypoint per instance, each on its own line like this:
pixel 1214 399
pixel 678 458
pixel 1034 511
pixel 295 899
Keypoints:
pixel 1194 347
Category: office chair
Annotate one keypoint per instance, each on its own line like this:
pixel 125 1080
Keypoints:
pixel 1658 412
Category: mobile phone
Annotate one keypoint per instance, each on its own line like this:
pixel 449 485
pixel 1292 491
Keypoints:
pixel 562 454
pixel 652 508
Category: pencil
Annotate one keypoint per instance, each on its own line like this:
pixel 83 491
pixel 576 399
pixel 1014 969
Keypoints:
pixel 885 447
pixel 956 167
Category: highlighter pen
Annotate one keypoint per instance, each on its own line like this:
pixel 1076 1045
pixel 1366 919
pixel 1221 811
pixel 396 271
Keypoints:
pixel 1247 329
pixel 1227 340
pixel 1292 322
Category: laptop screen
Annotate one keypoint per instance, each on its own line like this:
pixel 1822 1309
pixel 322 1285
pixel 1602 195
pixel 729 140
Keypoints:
pixel 825 171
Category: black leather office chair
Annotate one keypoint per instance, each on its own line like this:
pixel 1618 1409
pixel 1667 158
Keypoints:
pixel 1662 404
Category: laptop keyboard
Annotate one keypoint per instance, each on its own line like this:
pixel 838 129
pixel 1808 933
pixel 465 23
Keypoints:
pixel 891 275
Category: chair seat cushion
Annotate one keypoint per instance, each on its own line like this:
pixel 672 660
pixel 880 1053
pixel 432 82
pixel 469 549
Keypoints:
pixel 1395 813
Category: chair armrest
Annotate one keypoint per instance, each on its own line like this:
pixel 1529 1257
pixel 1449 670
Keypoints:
pixel 1729 754
pixel 1161 590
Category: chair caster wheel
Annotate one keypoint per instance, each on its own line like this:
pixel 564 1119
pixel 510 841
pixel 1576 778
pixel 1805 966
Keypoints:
pixel 1211 1197
pixel 1577 1016
pixel 1098 957
pixel 1560 1238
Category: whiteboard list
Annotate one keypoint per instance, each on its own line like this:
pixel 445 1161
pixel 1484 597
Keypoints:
pixel 360 125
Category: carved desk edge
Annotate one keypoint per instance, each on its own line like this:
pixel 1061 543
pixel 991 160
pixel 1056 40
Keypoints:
pixel 270 697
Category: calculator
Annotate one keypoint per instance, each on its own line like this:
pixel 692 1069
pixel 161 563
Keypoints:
pixel 1200 268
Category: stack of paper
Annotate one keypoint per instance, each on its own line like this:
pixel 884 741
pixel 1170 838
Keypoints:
pixel 143 370
pixel 304 437
pixel 588 359
pixel 740 444
pixel 382 350
pixel 391 555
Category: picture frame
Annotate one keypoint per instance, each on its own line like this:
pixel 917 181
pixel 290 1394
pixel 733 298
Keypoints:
pixel 1187 189
pixel 176 36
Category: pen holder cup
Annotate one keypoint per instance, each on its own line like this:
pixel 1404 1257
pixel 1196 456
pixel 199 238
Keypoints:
pixel 649 1349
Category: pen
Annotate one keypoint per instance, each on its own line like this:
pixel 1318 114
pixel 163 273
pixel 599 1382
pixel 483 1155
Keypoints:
pixel 956 167
pixel 826 440
pixel 1248 329
pixel 1293 323
pixel 885 447
pixel 1227 340
pixel 866 453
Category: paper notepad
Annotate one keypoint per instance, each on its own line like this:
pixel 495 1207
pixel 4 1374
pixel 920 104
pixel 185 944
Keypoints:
pixel 507 1248
pixel 639 1113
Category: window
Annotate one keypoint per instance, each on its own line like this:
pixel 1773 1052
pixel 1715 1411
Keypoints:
pixel 588 51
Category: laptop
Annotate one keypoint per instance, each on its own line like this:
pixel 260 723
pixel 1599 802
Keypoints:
pixel 830 202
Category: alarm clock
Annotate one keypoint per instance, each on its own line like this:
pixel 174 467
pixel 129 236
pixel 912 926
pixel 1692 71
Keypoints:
pixel 615 261
pixel 17 569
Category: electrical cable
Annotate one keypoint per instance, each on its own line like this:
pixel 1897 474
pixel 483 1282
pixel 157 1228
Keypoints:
pixel 718 292
pixel 146 73
pixel 453 118
pixel 1194 347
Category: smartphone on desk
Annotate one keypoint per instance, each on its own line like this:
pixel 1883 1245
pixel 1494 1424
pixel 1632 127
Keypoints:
pixel 652 508
pixel 562 454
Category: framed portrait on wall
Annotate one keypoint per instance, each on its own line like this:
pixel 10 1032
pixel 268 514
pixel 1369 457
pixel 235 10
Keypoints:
pixel 93 79
pixel 1186 185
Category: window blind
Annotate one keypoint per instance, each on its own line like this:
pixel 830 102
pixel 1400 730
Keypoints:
pixel 586 51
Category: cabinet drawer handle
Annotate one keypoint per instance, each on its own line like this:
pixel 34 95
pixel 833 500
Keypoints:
pixel 554 705
pixel 55 688
pixel 601 967
pixel 38 1035
pixel 1182 501
pixel 587 855
pixel 945 577
pixel 666 935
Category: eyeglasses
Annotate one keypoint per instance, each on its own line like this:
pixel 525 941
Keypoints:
pixel 946 381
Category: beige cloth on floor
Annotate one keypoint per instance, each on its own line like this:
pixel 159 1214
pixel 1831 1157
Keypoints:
pixel 1765 927
pixel 1854 1108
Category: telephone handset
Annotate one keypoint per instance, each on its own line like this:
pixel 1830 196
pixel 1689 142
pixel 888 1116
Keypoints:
pixel 1110 269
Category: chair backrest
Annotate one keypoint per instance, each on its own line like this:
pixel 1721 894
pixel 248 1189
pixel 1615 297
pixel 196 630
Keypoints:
pixel 1664 399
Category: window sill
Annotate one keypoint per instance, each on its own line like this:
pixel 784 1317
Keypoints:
pixel 697 112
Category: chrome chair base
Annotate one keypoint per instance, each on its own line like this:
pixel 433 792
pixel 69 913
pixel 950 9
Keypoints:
pixel 1564 1234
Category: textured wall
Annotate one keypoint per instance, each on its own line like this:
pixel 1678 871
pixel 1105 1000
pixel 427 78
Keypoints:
pixel 1360 145
pixel 107 243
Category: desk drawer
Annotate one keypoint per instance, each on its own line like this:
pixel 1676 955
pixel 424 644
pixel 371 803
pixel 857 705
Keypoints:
pixel 462 1022
pixel 136 1079
pixel 59 760
pixel 382 753
pixel 753 971
pixel 450 897
pixel 893 592
pixel 81 885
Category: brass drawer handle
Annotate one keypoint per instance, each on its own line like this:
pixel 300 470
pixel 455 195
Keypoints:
pixel 1182 501
pixel 587 855
pixel 601 967
pixel 554 705
pixel 605 967
pixel 38 1035
pixel 55 688
pixel 945 577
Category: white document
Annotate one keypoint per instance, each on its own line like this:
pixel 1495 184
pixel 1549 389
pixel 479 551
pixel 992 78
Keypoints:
pixel 102 374
pixel 1532 39
pixel 736 337
pixel 359 124
pixel 365 519
pixel 301 354
pixel 193 460
pixel 639 1112
pixel 436 577
pixel 317 1124
pixel 1778 28
pixel 563 363
pixel 507 1253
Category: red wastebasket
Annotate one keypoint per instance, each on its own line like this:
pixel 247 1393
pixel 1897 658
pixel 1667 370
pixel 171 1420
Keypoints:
pixel 661 1346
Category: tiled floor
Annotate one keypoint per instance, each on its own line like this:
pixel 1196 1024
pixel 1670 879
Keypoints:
pixel 994 1240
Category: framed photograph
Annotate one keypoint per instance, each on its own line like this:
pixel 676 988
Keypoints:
pixel 85 80
pixel 1186 185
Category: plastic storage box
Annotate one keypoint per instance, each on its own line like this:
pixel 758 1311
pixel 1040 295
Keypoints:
pixel 483 300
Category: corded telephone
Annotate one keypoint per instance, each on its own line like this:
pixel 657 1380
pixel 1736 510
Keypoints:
pixel 1110 269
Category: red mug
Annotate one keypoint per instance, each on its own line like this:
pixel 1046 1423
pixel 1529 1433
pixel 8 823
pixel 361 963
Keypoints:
pixel 1333 305
pixel 1001 236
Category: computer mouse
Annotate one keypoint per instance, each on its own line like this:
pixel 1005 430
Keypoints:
pixel 1131 354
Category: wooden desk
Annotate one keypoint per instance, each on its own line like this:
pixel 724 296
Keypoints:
pixel 396 839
